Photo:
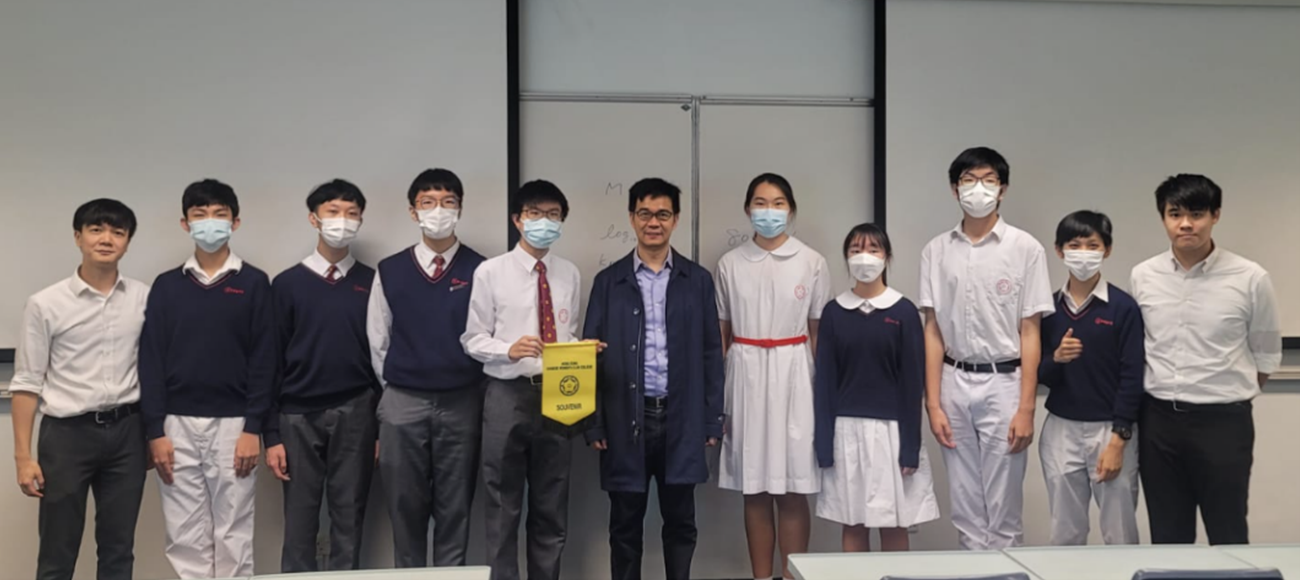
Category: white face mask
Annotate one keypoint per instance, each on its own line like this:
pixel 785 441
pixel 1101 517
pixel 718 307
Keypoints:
pixel 438 223
pixel 338 232
pixel 1083 264
pixel 977 199
pixel 866 268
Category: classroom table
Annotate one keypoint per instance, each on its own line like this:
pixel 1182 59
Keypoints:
pixel 446 573
pixel 1284 557
pixel 1120 562
pixel 874 565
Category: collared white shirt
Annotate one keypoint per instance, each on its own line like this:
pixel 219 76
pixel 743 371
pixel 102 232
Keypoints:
pixel 379 317
pixel 1209 330
pixel 232 264
pixel 849 300
pixel 78 347
pixel 981 291
pixel 1100 292
pixel 503 309
pixel 318 264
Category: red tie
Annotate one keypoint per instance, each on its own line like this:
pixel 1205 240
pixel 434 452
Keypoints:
pixel 332 274
pixel 545 309
pixel 438 261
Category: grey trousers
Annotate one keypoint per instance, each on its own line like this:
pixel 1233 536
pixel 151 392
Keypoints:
pixel 330 453
pixel 517 449
pixel 428 463
pixel 1069 451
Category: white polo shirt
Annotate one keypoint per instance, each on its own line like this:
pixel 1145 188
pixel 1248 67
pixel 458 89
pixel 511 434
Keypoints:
pixel 981 291
pixel 1209 330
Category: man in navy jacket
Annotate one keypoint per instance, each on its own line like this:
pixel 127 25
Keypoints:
pixel 658 402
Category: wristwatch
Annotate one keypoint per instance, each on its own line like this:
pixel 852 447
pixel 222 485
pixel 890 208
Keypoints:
pixel 1124 433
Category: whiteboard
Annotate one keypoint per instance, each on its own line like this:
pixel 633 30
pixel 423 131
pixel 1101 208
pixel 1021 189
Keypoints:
pixel 825 153
pixel 135 99
pixel 1094 105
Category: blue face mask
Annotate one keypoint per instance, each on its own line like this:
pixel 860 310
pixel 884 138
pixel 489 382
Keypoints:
pixel 768 222
pixel 542 232
pixel 210 234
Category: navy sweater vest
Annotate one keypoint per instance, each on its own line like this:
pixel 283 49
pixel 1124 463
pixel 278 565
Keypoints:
pixel 429 314
pixel 1106 382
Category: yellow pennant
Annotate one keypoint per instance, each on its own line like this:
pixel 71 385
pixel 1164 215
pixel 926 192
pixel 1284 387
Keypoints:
pixel 569 381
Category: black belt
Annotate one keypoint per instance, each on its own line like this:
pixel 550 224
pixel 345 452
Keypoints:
pixel 656 402
pixel 1183 407
pixel 1004 367
pixel 106 417
pixel 535 380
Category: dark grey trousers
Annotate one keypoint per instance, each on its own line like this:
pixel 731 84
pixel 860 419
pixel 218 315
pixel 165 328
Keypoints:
pixel 518 450
pixel 78 455
pixel 331 454
pixel 428 463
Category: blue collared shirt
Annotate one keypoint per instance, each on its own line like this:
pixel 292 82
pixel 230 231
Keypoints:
pixel 654 296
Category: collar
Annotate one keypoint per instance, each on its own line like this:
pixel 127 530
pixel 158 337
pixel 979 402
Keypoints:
pixel 849 300
pixel 1205 265
pixel 527 261
pixel 425 255
pixel 752 252
pixel 233 264
pixel 637 264
pixel 79 286
pixel 1101 292
pixel 999 231
pixel 318 264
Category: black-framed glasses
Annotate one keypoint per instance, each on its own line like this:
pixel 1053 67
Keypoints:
pixel 663 215
pixel 990 180
pixel 532 213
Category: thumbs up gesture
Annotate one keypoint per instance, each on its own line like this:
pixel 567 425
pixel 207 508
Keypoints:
pixel 1070 348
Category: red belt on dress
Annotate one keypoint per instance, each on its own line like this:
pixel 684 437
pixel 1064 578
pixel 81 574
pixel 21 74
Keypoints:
pixel 771 342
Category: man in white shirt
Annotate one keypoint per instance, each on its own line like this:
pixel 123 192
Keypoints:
pixel 1212 338
pixel 984 289
pixel 76 359
pixel 520 301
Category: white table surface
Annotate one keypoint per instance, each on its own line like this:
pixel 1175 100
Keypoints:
pixel 448 573
pixel 1120 562
pixel 1284 557
pixel 873 565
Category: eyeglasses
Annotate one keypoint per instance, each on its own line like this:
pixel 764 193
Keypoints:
pixel 533 213
pixel 431 202
pixel 991 180
pixel 663 215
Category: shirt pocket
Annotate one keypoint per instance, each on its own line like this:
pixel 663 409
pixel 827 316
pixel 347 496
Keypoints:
pixel 1004 289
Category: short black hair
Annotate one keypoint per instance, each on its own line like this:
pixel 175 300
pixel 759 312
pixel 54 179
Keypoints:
pixel 535 192
pixel 209 192
pixel 873 233
pixel 777 181
pixel 105 212
pixel 654 187
pixel 435 180
pixel 1190 192
pixel 976 157
pixel 1083 224
pixel 339 189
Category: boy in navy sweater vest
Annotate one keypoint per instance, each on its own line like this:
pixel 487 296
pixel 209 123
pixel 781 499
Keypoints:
pixel 430 416
pixel 320 434
pixel 1093 364
pixel 207 363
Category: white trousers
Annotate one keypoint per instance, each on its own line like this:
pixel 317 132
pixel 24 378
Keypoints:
pixel 1069 451
pixel 207 510
pixel 985 481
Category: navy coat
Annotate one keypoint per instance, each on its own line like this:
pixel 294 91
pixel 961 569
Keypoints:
pixel 615 315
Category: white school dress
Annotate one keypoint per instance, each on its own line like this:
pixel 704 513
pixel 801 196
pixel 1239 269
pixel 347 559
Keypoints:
pixel 765 295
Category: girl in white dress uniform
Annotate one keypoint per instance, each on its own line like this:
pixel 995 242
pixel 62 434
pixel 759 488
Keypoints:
pixel 771 291
pixel 870 377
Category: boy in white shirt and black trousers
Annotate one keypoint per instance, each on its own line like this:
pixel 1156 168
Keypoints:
pixel 76 359
pixel 984 290
pixel 1212 339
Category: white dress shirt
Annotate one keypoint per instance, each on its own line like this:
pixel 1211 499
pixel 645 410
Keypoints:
pixel 1209 330
pixel 318 264
pixel 232 264
pixel 78 347
pixel 1100 292
pixel 981 291
pixel 503 309
pixel 379 318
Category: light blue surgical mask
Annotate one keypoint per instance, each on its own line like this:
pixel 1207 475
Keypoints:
pixel 541 232
pixel 769 222
pixel 210 234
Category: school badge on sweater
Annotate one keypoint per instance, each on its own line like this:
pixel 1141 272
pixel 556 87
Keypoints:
pixel 568 382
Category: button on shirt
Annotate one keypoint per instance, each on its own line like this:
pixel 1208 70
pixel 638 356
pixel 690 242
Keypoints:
pixel 980 291
pixel 654 295
pixel 77 349
pixel 1209 330
pixel 503 309
pixel 233 264
pixel 379 317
